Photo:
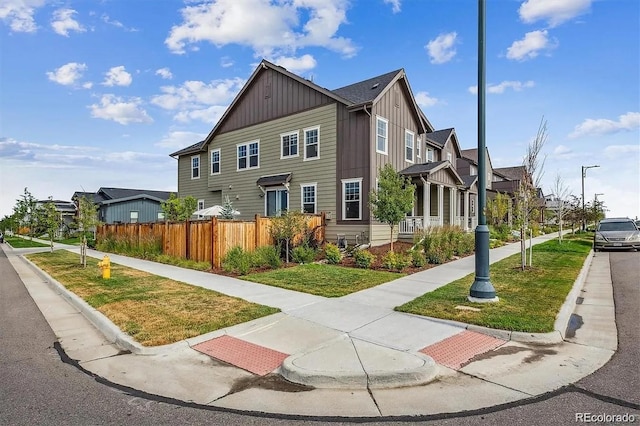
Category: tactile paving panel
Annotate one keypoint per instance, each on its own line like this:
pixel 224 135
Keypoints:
pixel 253 358
pixel 455 351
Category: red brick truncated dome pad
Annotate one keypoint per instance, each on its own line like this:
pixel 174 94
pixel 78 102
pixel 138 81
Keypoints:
pixel 248 356
pixel 455 351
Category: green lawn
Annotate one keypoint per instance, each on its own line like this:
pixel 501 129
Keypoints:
pixel 151 309
pixel 18 242
pixel 529 300
pixel 323 280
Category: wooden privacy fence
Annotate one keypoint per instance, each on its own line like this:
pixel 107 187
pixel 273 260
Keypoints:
pixel 206 240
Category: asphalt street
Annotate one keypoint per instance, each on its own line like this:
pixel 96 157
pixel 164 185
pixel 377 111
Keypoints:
pixel 39 385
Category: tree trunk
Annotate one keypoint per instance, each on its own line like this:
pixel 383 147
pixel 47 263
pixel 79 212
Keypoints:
pixel 391 238
pixel 523 249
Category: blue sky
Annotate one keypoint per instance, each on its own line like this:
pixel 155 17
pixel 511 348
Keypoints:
pixel 100 93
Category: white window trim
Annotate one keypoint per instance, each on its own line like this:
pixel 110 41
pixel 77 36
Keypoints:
pixel 413 145
pixel 344 204
pixel 304 143
pixel 246 144
pixel 433 155
pixel 193 168
pixel 315 196
pixel 274 189
pixel 201 206
pixel 386 135
pixel 449 157
pixel 131 212
pixel 282 135
pixel 418 146
pixel 219 160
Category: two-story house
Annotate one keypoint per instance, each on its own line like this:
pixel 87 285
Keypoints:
pixel 287 143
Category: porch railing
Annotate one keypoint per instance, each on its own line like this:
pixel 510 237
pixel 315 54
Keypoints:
pixel 410 224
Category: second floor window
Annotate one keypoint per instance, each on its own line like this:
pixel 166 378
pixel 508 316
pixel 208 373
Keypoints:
pixel 248 154
pixel 409 139
pixel 215 162
pixel 311 143
pixel 429 155
pixel 449 156
pixel 289 145
pixel 472 170
pixel 195 167
pixel 382 127
pixel 418 148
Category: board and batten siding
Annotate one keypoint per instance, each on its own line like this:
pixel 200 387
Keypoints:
pixel 241 185
pixel 121 212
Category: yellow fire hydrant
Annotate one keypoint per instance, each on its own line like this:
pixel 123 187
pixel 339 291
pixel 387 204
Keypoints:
pixel 105 265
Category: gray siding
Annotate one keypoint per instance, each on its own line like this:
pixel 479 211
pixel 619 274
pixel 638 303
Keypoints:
pixel 121 212
pixel 197 188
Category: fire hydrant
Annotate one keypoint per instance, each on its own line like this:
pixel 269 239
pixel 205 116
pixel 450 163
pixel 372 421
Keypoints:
pixel 105 265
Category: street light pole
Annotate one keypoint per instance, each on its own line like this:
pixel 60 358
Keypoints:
pixel 482 290
pixel 584 212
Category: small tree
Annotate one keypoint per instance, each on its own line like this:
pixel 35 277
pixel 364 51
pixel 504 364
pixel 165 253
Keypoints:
pixel 497 209
pixel 179 208
pixel 286 227
pixel 87 222
pixel 25 210
pixel 393 198
pixel 50 220
pixel 227 209
pixel 561 193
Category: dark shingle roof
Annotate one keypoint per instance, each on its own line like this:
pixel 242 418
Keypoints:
pixel 513 173
pixel 196 147
pixel 440 137
pixel 91 196
pixel 367 90
pixel 469 180
pixel 471 154
pixel 417 169
pixel 118 193
pixel 274 179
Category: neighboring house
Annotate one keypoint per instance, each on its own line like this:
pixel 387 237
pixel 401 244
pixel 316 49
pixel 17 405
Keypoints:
pixel 67 211
pixel 120 205
pixel 287 143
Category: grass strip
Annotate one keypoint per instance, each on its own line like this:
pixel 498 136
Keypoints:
pixel 18 242
pixel 323 280
pixel 153 310
pixel 529 299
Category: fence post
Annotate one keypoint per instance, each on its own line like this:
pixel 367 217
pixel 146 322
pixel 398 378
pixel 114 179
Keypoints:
pixel 323 226
pixel 214 224
pixel 258 231
pixel 187 232
pixel 165 238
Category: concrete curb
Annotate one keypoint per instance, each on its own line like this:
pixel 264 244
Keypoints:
pixel 569 305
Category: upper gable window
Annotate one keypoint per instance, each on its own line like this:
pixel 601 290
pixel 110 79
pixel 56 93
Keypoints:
pixel 312 143
pixel 409 143
pixel 195 167
pixel 449 157
pixel 418 148
pixel 472 170
pixel 382 131
pixel 248 155
pixel 215 161
pixel 430 155
pixel 289 145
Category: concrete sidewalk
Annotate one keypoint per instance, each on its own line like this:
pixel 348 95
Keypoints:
pixel 350 356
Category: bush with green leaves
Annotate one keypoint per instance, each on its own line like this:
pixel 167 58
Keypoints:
pixel 266 256
pixel 363 258
pixel 303 254
pixel 417 259
pixel 332 253
pixel 397 261
pixel 237 261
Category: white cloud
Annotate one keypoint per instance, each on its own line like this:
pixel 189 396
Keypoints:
pixel 265 26
pixel 19 14
pixel 107 20
pixel 180 139
pixel 424 100
pixel 563 152
pixel 117 76
pixel 296 65
pixel 604 126
pixel 63 22
pixel 395 5
pixel 196 100
pixel 621 151
pixel 121 111
pixel 516 86
pixel 164 73
pixel 87 85
pixel 68 74
pixel 442 48
pixel 530 46
pixel 554 12
pixel 226 62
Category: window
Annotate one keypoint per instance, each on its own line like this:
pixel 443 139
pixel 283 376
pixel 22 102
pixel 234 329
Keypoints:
pixel 133 216
pixel 200 207
pixel 160 215
pixel 312 143
pixel 276 201
pixel 409 139
pixel 248 154
pixel 382 128
pixel 215 162
pixel 289 145
pixel 418 147
pixel 473 170
pixel 308 195
pixel 449 158
pixel 351 200
pixel 429 155
pixel 195 167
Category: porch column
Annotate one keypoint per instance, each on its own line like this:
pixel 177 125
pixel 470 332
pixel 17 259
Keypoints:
pixel 441 205
pixel 426 202
pixel 465 225
pixel 452 206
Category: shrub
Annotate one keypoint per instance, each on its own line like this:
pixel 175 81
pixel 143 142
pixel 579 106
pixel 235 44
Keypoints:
pixel 395 260
pixel 363 258
pixel 266 256
pixel 465 244
pixel 303 254
pixel 332 253
pixel 182 263
pixel 237 261
pixel 417 259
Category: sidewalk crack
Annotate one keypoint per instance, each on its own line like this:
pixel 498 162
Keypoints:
pixel 373 398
